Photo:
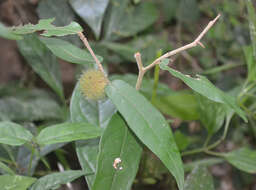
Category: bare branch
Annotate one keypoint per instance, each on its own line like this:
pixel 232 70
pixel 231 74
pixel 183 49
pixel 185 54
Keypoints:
pixel 141 70
pixel 87 45
pixel 188 46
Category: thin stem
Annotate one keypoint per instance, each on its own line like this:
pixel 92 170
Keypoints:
pixel 197 150
pixel 31 160
pixel 141 70
pixel 156 78
pixel 206 148
pixel 87 45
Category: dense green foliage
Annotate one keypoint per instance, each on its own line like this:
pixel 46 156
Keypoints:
pixel 127 138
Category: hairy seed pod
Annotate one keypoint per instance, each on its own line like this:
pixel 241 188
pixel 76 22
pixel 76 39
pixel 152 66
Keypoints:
pixel 92 84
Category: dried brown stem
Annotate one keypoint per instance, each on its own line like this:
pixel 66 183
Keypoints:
pixel 87 45
pixel 176 51
pixel 141 70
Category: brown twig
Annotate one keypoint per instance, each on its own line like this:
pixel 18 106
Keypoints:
pixel 87 45
pixel 196 42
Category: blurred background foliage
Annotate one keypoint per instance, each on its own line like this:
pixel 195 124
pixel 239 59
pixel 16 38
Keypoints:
pixel 116 30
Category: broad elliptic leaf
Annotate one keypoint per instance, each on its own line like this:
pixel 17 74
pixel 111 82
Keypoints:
pixel 92 12
pixel 117 142
pixel 67 132
pixel 6 32
pixel 124 20
pixel 68 52
pixel 149 126
pixel 42 61
pixel 244 159
pixel 181 105
pixel 203 86
pixel 14 134
pixel 48 29
pixel 212 114
pixel 16 182
pixel 54 180
pixel 98 113
pixel 199 179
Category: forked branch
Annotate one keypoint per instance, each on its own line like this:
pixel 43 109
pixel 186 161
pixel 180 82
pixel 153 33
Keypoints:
pixel 195 43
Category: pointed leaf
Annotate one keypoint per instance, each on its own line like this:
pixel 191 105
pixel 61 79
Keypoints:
pixel 252 24
pixel 6 32
pixel 49 29
pixel 68 52
pixel 92 12
pixel 67 132
pixel 116 142
pixel 14 134
pixel 4 169
pixel 243 159
pixel 42 61
pixel 212 114
pixel 15 182
pixel 98 113
pixel 149 126
pixel 203 86
pixel 54 180
pixel 125 21
pixel 199 179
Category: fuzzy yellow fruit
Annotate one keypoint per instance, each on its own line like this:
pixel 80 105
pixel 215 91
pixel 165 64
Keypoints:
pixel 92 84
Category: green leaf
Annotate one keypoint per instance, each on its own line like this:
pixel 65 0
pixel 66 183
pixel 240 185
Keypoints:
pixel 48 29
pixel 98 113
pixel 56 9
pixel 68 52
pixel 5 169
pixel 14 134
pixel 251 64
pixel 212 114
pixel 199 179
pixel 6 32
pixel 180 104
pixel 188 11
pixel 67 132
pixel 203 86
pixel 42 61
pixel 54 180
pixel 244 159
pixel 149 126
pixel 168 8
pixel 116 142
pixel 16 182
pixel 125 21
pixel 147 84
pixel 92 12
pixel 181 140
pixel 34 109
pixel 203 163
pixel 147 45
pixel 252 24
